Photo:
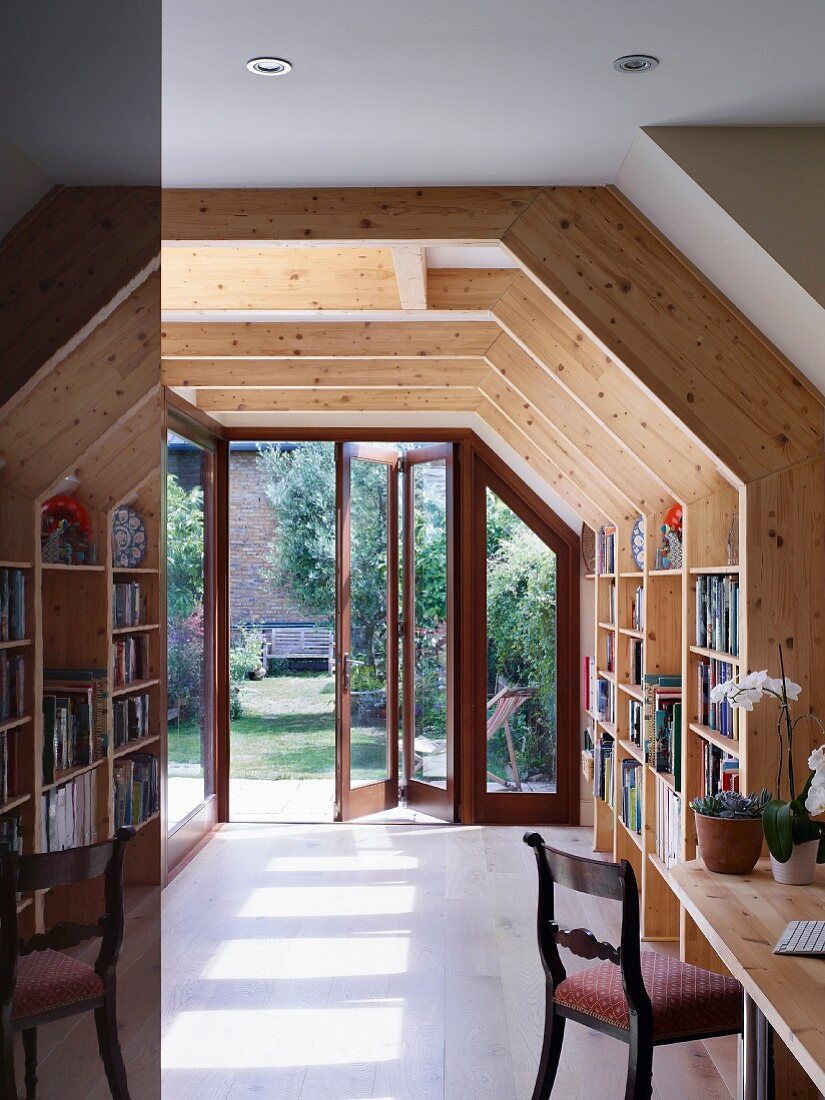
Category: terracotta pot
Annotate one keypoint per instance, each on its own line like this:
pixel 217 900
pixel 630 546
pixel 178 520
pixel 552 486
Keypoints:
pixel 800 868
pixel 729 846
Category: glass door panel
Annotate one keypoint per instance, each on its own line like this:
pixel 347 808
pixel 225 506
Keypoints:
pixel 367 649
pixel 521 656
pixel 189 628
pixel 428 630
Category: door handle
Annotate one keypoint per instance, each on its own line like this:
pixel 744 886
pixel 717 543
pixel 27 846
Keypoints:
pixel 346 666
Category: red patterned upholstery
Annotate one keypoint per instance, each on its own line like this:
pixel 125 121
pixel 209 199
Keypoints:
pixel 48 979
pixel 686 1000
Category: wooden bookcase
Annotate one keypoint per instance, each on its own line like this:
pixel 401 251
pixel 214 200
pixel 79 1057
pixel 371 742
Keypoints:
pixel 668 602
pixel 69 624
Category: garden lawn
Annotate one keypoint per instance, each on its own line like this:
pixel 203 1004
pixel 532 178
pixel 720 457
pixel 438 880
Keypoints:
pixel 287 731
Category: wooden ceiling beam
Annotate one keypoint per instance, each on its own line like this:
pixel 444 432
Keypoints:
pixel 615 400
pixel 616 463
pixel 588 479
pixel 355 215
pixel 411 275
pixel 334 373
pixel 661 322
pixel 547 470
pixel 339 400
pixel 324 339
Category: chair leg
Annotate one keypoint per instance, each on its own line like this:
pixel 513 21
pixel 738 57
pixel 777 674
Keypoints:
pixel 8 1081
pixel 109 1044
pixel 550 1051
pixel 639 1069
pixel 30 1049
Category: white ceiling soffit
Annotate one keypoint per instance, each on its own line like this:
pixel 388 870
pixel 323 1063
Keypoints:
pixel 732 259
pixel 468 92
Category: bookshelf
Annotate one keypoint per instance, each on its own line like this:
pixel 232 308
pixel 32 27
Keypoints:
pixel 653 632
pixel 69 624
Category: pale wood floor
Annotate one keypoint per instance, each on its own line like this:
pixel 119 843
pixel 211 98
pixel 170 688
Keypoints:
pixel 339 962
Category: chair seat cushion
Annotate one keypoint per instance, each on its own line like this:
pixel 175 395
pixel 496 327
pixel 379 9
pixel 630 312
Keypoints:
pixel 686 1000
pixel 48 980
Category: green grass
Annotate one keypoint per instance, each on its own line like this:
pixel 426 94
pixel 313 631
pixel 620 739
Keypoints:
pixel 287 731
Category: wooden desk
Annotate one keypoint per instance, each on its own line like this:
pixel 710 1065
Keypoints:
pixel 742 918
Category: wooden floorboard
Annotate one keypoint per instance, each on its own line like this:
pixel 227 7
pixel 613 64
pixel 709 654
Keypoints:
pixel 380 962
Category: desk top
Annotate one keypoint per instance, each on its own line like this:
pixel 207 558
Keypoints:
pixel 743 916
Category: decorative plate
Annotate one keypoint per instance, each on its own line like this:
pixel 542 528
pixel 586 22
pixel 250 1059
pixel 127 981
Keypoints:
pixel 637 543
pixel 128 538
pixel 588 545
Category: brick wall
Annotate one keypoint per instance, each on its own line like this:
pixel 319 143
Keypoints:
pixel 252 530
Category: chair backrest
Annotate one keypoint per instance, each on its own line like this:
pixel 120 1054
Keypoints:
pixel 598 878
pixel 40 872
pixel 506 702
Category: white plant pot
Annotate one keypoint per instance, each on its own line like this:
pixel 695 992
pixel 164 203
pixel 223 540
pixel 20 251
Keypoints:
pixel 800 868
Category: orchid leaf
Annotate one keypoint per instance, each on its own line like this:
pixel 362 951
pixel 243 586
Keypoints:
pixel 776 821
pixel 798 804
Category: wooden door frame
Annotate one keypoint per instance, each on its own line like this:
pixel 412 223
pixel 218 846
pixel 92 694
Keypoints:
pixel 481 467
pixel 189 833
pixel 468 712
pixel 439 802
pixel 382 795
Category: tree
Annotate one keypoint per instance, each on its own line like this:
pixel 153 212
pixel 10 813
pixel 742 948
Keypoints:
pixel 300 486
pixel 184 548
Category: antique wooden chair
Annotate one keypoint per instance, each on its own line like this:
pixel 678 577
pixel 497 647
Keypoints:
pixel 39 982
pixel 646 999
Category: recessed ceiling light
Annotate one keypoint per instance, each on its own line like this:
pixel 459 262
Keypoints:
pixel 635 63
pixel 269 66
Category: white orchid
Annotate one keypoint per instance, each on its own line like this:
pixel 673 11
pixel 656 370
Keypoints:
pixel 792 690
pixel 742 691
pixel 815 802
pixel 816 761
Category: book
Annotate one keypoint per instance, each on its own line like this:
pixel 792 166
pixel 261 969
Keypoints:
pixel 68 813
pixel 655 682
pixel 74 681
pixel 668 824
pixel 632 785
pixel 12 605
pixel 128 605
pixel 136 789
pixel 130 657
pixel 606 550
pixel 717 613
pixel 12 686
pixel 130 719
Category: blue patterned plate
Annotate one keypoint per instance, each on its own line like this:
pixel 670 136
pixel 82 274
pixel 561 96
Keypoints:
pixel 637 542
pixel 128 538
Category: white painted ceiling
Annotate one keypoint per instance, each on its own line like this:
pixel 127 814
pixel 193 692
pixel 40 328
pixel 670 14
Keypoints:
pixel 468 91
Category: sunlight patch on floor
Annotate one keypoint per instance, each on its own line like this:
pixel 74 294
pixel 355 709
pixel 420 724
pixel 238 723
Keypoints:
pixel 308 959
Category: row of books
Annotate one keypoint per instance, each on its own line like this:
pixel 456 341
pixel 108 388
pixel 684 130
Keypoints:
pixel 603 771
pixel 632 779
pixel 637 613
pixel 663 723
pixel 130 719
pixel 634 720
pixel 136 789
pixel 131 659
pixel 610 652
pixel 129 604
pixel 68 813
pixel 12 686
pixel 721 717
pixel 74 719
pixel 9 774
pixel 12 605
pixel 636 662
pixel 717 613
pixel 11 833
pixel 668 824
pixel 611 603
pixel 720 770
pixel 606 550
pixel 605 700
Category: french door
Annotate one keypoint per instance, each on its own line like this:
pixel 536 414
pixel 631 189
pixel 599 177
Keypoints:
pixel 373 692
pixel 367 630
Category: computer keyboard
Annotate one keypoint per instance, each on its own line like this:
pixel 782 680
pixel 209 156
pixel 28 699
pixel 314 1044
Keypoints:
pixel 802 937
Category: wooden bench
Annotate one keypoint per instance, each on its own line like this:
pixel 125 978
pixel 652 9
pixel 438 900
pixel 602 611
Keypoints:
pixel 299 642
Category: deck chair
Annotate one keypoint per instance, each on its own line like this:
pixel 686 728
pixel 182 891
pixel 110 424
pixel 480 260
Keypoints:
pixel 505 703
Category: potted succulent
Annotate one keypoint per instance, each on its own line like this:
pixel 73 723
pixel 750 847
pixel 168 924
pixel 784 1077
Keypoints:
pixel 729 830
pixel 796 843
